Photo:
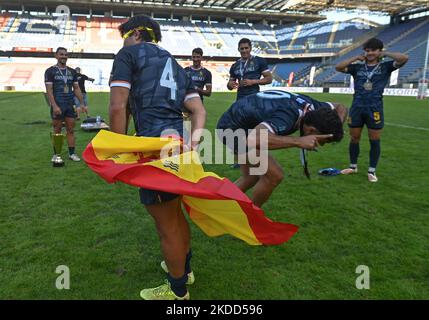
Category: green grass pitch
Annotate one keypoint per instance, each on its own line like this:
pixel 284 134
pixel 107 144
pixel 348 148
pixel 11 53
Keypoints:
pixel 69 216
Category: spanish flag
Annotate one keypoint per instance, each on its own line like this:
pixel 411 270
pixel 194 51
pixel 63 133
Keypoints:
pixel 215 204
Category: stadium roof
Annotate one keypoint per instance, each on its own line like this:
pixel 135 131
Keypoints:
pixel 285 10
pixel 197 8
pixel 308 6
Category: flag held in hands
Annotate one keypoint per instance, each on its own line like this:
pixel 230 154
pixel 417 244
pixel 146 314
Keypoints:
pixel 214 203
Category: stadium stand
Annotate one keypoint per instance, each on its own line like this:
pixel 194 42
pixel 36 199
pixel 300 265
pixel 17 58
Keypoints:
pixel 319 37
pixel 26 73
pixel 281 71
pixel 99 34
pixel 333 40
pixel 409 37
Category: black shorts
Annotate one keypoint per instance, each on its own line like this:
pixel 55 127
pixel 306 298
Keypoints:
pixel 372 117
pixel 149 196
pixel 236 141
pixel 67 111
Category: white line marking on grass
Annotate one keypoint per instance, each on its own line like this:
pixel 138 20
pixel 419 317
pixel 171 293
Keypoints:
pixel 409 127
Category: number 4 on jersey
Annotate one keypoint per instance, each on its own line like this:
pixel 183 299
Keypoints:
pixel 167 79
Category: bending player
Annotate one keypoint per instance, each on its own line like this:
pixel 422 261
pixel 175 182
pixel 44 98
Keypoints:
pixel 281 114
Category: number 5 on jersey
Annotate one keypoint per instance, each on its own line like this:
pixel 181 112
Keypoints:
pixel 167 79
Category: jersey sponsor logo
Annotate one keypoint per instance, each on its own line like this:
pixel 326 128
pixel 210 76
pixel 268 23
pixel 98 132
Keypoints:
pixel 362 73
pixel 250 68
pixel 60 78
pixel 197 78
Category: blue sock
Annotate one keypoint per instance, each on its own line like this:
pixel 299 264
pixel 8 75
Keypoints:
pixel 374 153
pixel 178 285
pixel 71 150
pixel 188 262
pixel 354 152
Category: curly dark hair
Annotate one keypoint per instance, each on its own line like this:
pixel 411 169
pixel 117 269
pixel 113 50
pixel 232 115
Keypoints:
pixel 326 121
pixel 373 44
pixel 142 21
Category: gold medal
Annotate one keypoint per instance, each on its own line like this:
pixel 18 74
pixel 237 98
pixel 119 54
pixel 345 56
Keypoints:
pixel 368 85
pixel 65 79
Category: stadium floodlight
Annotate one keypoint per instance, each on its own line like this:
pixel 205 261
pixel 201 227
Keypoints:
pixel 291 3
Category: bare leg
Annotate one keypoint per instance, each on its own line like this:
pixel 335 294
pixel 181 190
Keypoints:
pixel 246 181
pixel 57 125
pixel 70 132
pixel 374 134
pixel 184 227
pixel 169 222
pixel 268 182
pixel 355 134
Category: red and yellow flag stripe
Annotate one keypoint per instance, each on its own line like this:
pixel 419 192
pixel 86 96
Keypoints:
pixel 213 203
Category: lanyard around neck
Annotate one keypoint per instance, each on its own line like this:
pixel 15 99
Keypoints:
pixel 65 77
pixel 370 74
pixel 243 68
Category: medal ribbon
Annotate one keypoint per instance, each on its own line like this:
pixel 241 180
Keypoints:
pixel 370 74
pixel 243 68
pixel 65 78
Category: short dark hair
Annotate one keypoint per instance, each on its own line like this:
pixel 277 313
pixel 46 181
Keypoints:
pixel 373 44
pixel 244 40
pixel 142 21
pixel 326 121
pixel 60 48
pixel 198 51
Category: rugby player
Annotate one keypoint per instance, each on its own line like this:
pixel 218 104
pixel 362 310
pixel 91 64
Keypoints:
pixel 61 87
pixel 246 72
pixel 201 77
pixel 157 89
pixel 371 75
pixel 81 78
pixel 281 113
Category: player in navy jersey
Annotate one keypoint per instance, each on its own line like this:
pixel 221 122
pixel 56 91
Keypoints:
pixel 245 73
pixel 281 113
pixel 371 75
pixel 158 90
pixel 61 87
pixel 81 78
pixel 201 77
